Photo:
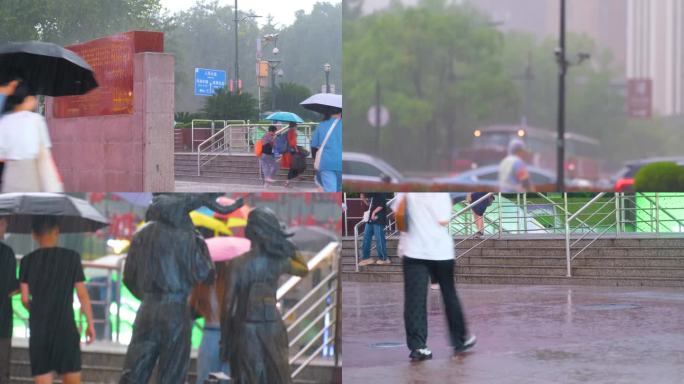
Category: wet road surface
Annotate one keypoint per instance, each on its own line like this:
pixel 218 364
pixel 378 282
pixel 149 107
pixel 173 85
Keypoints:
pixel 526 334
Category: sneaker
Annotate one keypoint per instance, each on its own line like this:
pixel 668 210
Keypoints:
pixel 420 354
pixel 365 262
pixel 434 287
pixel 384 262
pixel 466 344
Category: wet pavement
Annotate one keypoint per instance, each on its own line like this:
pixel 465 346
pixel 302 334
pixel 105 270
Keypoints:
pixel 526 334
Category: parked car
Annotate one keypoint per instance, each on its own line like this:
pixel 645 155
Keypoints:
pixel 624 179
pixel 488 177
pixel 361 167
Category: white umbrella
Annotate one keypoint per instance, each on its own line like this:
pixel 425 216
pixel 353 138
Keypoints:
pixel 323 103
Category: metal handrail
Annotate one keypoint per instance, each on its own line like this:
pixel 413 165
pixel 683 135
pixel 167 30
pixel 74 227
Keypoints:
pixel 581 229
pixel 223 141
pixel 329 298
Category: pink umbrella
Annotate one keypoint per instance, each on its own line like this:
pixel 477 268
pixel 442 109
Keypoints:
pixel 226 248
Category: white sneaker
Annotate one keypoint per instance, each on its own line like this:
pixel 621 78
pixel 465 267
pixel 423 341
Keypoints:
pixel 434 286
pixel 365 262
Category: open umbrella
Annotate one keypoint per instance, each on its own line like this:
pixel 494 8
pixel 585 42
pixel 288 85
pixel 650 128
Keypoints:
pixel 49 69
pixel 287 117
pixel 226 248
pixel 75 215
pixel 325 103
pixel 220 223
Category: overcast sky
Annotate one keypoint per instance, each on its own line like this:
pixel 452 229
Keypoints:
pixel 283 11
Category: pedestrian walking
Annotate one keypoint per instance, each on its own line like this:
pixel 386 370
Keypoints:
pixel 292 150
pixel 25 146
pixel 427 248
pixel 326 147
pixel 479 209
pixel 8 286
pixel 205 301
pixel 48 277
pixel 376 220
pixel 269 167
pixel 513 174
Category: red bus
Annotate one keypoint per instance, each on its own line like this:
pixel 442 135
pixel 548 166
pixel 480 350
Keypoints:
pixel 490 145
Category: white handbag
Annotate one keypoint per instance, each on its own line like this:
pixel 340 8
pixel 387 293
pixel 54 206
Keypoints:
pixel 50 179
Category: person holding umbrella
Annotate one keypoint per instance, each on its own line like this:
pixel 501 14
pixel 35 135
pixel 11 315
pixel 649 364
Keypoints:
pixel 8 286
pixel 48 277
pixel 205 301
pixel 44 69
pixel 326 143
pixel 24 141
pixel 269 167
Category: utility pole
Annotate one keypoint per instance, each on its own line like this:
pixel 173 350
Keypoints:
pixel 529 77
pixel 377 116
pixel 237 63
pixel 562 71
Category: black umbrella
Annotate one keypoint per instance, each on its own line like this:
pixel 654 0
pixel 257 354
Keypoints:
pixel 75 215
pixel 49 69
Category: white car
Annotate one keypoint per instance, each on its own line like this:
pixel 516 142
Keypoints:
pixel 360 167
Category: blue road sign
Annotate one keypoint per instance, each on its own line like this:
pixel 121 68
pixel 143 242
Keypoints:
pixel 207 81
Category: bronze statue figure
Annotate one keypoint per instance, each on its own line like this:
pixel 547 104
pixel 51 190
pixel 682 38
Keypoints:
pixel 253 335
pixel 166 259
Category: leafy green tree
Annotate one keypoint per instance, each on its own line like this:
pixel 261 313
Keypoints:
pixel 71 21
pixel 313 40
pixel 288 97
pixel 224 105
pixel 441 73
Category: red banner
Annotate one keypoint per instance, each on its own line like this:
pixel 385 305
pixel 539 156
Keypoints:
pixel 111 58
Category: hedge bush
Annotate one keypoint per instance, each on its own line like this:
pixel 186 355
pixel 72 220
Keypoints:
pixel 660 177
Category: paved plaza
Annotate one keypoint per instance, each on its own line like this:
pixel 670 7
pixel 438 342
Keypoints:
pixel 526 334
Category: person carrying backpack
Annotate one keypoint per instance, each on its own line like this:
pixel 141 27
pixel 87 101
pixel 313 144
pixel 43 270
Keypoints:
pixel 267 159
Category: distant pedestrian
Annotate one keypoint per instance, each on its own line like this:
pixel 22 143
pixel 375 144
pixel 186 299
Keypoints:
pixel 25 145
pixel 513 174
pixel 269 167
pixel 288 162
pixel 48 278
pixel 205 300
pixel 376 220
pixel 8 286
pixel 326 143
pixel 479 209
pixel 428 248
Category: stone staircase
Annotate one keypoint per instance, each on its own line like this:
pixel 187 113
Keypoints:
pixel 102 364
pixel 608 262
pixel 234 169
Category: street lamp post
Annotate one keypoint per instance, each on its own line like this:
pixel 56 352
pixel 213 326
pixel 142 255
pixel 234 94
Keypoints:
pixel 327 68
pixel 237 21
pixel 237 63
pixel 562 71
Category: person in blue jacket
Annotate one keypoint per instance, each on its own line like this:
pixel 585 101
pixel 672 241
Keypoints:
pixel 329 175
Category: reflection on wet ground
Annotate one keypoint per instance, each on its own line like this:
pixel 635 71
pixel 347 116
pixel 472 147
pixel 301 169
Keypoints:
pixel 526 334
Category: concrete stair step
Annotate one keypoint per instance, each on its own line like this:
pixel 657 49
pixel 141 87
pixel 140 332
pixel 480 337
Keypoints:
pixel 522 279
pixel 308 184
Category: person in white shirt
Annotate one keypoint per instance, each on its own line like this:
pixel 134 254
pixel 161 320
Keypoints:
pixel 22 134
pixel 427 249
